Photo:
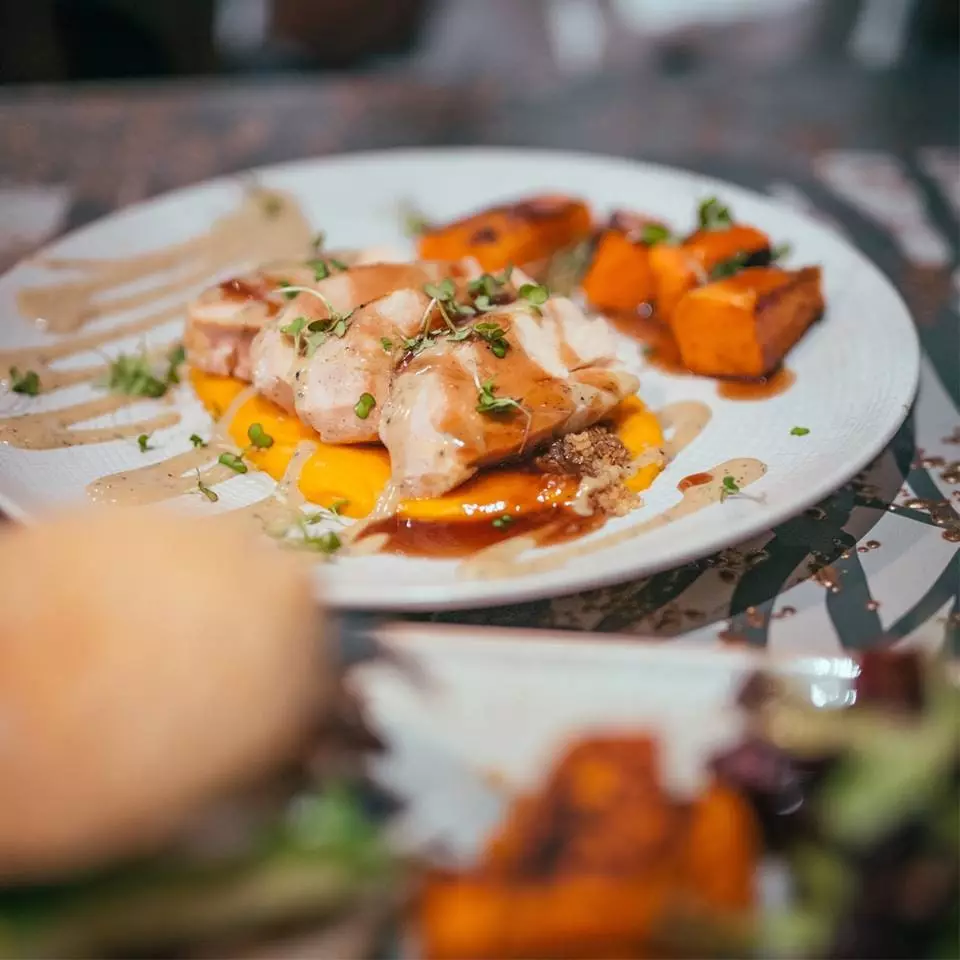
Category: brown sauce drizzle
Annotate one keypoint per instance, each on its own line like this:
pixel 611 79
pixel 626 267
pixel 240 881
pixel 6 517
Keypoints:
pixel 694 480
pixel 762 389
pixel 514 558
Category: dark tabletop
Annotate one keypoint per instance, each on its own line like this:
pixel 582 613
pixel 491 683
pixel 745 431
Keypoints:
pixel 874 153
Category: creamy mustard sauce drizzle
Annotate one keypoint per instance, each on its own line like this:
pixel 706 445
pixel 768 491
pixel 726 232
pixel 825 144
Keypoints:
pixel 267 226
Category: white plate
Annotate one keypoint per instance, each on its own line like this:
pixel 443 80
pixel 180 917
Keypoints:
pixel 856 371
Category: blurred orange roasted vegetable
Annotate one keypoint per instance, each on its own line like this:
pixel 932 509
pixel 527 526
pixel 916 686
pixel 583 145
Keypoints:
pixel 723 849
pixel 517 233
pixel 620 278
pixel 744 325
pixel 567 916
pixel 678 269
pixel 595 864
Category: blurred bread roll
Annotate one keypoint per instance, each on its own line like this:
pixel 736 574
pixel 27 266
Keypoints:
pixel 149 663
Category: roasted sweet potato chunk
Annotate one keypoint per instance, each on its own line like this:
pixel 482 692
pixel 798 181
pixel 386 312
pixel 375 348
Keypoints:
pixel 620 278
pixel 744 325
pixel 679 269
pixel 595 863
pixel 517 233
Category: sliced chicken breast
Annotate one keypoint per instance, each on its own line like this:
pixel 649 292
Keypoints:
pixel 449 410
pixel 330 384
pixel 274 358
pixel 223 320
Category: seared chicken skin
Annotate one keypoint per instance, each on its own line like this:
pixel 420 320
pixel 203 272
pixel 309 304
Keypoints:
pixel 458 406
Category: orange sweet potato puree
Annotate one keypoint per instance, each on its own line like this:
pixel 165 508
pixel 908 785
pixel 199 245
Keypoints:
pixel 358 473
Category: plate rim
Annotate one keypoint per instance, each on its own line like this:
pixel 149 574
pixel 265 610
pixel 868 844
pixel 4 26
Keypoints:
pixel 479 594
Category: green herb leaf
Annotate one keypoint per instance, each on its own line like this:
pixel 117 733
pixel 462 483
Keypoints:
pixel 364 405
pixel 443 291
pixel 197 440
pixel 654 233
pixel 412 220
pixel 175 359
pixel 338 264
pixel 488 402
pixel 483 303
pixel 283 285
pixel 234 462
pixel 502 523
pixel 713 215
pixel 319 241
pixel 211 495
pixel 730 267
pixel 327 542
pixel 133 376
pixel 259 437
pixel 143 442
pixel 495 337
pixel 729 488
pixel 320 269
pixel 387 344
pixel 799 431
pixel 294 327
pixel 27 382
pixel 534 293
pixel 780 252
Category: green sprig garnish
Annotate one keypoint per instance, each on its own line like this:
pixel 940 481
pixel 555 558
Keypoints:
pixel 713 215
pixel 653 233
pixel 27 382
pixel 488 402
pixel 386 344
pixel 211 495
pixel 133 375
pixel 729 267
pixel 364 405
pixel 780 252
pixel 175 359
pixel 233 461
pixel 535 294
pixel 495 337
pixel 412 221
pixel 799 431
pixel 143 442
pixel 259 437
pixel 728 487
pixel 197 440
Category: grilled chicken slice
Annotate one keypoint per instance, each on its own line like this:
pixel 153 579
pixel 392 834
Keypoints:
pixel 276 365
pixel 223 320
pixel 329 385
pixel 560 369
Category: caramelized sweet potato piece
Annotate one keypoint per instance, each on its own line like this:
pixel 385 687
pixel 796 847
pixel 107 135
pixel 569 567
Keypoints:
pixel 620 278
pixel 679 269
pixel 744 325
pixel 723 850
pixel 517 233
pixel 568 916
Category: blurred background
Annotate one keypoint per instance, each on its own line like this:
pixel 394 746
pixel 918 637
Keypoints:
pixel 515 41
